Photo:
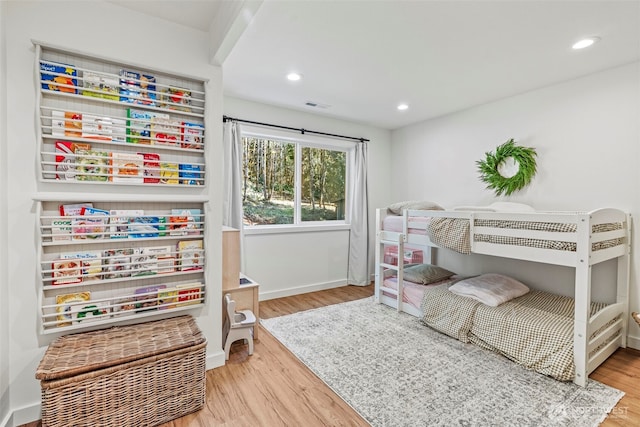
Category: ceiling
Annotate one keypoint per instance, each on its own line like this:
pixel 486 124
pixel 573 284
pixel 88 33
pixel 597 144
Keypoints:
pixel 360 59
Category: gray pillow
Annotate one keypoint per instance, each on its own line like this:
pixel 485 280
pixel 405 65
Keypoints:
pixel 397 208
pixel 425 274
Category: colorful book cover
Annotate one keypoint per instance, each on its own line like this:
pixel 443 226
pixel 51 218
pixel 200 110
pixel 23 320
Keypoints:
pixel 66 123
pixel 147 298
pixel 139 126
pixel 192 136
pixel 143 263
pixel 137 88
pixel 119 222
pixel 151 168
pixel 190 255
pixel 169 173
pixel 96 127
pixel 174 98
pixel 190 174
pixel 189 293
pixel 185 221
pixel 100 85
pixel 167 298
pixel 69 305
pixel 67 76
pixel 90 263
pixel 92 224
pixel 93 311
pixel 117 263
pixel 127 167
pixel 61 227
pixel 164 130
pixel 146 226
pixel 66 271
pixel 92 165
pixel 66 159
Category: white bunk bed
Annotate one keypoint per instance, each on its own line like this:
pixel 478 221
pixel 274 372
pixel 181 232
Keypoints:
pixel 577 240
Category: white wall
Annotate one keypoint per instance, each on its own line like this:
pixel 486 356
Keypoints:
pixel 109 31
pixel 4 283
pixel 292 263
pixel 586 132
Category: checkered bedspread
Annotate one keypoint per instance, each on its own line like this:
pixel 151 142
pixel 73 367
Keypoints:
pixel 535 330
pixel 454 233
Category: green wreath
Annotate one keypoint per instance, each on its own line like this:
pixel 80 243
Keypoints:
pixel 489 168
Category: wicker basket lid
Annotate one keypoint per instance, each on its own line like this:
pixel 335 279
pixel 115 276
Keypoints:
pixel 76 354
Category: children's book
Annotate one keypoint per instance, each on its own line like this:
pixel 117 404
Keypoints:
pixel 117 263
pixel 66 271
pixel 169 173
pixel 137 88
pixel 175 98
pixel 92 165
pixel 119 222
pixel 92 224
pixel 147 298
pixel 146 226
pixel 139 126
pixel 100 85
pixel 127 167
pixel 151 168
pixel 93 311
pixel 192 136
pixel 90 263
pixel 61 227
pixel 185 222
pixel 189 293
pixel 190 174
pixel 96 127
pixel 69 305
pixel 119 130
pixel 167 298
pixel 58 77
pixel 190 255
pixel 66 123
pixel 66 159
pixel 164 130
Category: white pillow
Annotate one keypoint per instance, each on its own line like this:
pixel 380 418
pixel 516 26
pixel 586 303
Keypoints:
pixel 490 289
pixel 397 208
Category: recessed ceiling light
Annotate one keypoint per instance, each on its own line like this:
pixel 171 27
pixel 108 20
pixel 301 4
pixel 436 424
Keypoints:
pixel 402 107
pixel 586 42
pixel 294 77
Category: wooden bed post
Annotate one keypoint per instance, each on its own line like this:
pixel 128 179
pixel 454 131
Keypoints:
pixel 622 293
pixel 582 289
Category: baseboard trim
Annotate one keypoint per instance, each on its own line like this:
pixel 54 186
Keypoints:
pixel 24 415
pixel 215 360
pixel 633 342
pixel 280 293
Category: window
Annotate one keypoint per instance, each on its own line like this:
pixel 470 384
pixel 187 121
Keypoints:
pixel 290 182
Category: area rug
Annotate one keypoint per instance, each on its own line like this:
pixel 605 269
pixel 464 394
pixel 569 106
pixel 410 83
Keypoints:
pixel 394 371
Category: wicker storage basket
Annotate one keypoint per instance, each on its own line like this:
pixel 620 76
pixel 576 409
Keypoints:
pixel 139 375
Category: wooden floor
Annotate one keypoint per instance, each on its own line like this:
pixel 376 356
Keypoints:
pixel 272 388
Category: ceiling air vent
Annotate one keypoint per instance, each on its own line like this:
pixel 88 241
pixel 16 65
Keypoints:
pixel 316 105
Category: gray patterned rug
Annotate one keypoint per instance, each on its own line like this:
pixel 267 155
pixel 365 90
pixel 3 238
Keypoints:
pixel 396 372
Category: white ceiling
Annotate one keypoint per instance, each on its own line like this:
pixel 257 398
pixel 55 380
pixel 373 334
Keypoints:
pixel 362 58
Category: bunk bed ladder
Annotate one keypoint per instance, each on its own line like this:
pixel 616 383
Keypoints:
pixel 384 268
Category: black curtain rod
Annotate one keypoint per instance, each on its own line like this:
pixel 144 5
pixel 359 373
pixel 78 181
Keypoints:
pixel 301 130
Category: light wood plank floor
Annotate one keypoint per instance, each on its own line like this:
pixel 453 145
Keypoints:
pixel 272 388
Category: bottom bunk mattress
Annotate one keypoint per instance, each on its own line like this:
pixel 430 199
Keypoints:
pixel 534 330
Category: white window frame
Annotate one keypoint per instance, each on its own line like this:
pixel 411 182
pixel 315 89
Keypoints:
pixel 300 141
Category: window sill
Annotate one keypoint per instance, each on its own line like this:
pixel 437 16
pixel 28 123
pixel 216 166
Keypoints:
pixel 283 229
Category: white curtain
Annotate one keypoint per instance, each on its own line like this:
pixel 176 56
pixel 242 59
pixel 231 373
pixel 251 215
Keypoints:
pixel 232 181
pixel 358 273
